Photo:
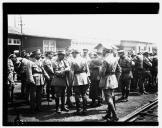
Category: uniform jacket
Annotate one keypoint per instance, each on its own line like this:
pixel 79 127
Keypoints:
pixel 95 66
pixel 146 63
pixel 60 72
pixel 108 77
pixel 70 74
pixel 126 67
pixel 80 69
pixel 10 65
pixel 36 72
pixel 88 60
pixel 47 63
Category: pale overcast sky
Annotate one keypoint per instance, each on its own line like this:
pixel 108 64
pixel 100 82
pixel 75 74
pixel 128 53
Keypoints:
pixel 101 27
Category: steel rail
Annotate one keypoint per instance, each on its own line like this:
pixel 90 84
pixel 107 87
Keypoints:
pixel 134 114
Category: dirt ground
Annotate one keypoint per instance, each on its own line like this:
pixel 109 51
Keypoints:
pixel 95 114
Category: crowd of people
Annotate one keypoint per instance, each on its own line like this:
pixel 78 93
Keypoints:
pixel 61 75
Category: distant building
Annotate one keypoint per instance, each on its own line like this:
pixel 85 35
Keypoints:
pixel 137 46
pixel 27 42
pixel 81 44
pixel 101 46
pixel 31 42
pixel 14 39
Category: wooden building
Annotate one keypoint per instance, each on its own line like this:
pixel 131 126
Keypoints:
pixel 27 42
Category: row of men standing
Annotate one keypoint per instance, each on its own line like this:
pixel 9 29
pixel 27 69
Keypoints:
pixel 66 74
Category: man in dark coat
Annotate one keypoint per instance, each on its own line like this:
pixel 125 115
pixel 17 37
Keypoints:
pixel 60 67
pixel 47 63
pixel 126 76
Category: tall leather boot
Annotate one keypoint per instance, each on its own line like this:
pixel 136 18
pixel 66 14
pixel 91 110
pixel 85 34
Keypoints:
pixel 78 108
pixel 63 108
pixel 99 102
pixel 112 109
pixel 84 106
pixel 57 106
pixel 126 95
pixel 108 114
pixel 69 102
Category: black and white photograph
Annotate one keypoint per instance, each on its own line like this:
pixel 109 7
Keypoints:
pixel 86 68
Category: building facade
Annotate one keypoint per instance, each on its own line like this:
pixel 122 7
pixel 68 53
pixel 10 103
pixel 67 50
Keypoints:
pixel 18 41
pixel 137 46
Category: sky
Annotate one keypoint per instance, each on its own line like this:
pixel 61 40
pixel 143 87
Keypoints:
pixel 105 27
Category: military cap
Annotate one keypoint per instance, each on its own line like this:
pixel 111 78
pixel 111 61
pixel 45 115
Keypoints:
pixel 121 51
pixel 145 53
pixel 36 51
pixel 85 50
pixel 12 56
pixel 61 52
pixel 23 51
pixel 107 50
pixel 75 51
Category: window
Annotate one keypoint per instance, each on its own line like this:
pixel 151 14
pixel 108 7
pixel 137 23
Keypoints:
pixel 14 41
pixel 9 41
pixel 49 45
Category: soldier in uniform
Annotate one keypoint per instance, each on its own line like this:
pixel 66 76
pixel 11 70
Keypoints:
pixel 108 83
pixel 147 65
pixel 87 58
pixel 126 76
pixel 70 76
pixel 95 92
pixel 22 71
pixel 154 70
pixel 60 67
pixel 47 63
pixel 10 80
pixel 138 73
pixel 80 83
pixel 36 77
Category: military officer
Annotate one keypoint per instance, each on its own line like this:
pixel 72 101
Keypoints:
pixel 47 63
pixel 80 83
pixel 87 58
pixel 126 76
pixel 10 80
pixel 60 67
pixel 108 83
pixel 138 73
pixel 95 92
pixel 147 65
pixel 70 76
pixel 23 77
pixel 36 77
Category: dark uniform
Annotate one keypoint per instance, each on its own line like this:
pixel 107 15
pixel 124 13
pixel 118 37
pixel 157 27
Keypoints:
pixel 23 77
pixel 95 92
pixel 147 65
pixel 126 76
pixel 47 63
pixel 81 82
pixel 154 71
pixel 138 74
pixel 60 67
pixel 70 77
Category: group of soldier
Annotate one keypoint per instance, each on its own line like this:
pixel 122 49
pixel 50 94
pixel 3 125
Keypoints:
pixel 79 74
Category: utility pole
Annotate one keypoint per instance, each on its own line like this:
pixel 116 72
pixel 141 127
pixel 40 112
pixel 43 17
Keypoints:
pixel 21 28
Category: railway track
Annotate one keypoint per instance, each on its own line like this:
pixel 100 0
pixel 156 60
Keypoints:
pixel 145 110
